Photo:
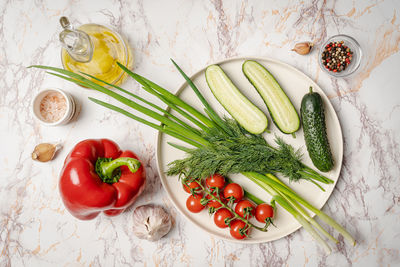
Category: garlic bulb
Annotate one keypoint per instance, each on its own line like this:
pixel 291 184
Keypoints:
pixel 151 222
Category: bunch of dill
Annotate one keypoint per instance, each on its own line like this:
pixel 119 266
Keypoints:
pixel 235 150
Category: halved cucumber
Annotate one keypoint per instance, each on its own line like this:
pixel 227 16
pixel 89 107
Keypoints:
pixel 280 108
pixel 241 109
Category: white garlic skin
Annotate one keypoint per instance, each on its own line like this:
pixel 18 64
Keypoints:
pixel 151 222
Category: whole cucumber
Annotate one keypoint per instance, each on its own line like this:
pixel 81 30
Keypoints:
pixel 313 118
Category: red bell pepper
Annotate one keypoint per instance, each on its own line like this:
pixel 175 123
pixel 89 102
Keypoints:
pixel 98 177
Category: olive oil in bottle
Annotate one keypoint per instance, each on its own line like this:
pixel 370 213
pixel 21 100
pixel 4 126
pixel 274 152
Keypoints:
pixel 94 49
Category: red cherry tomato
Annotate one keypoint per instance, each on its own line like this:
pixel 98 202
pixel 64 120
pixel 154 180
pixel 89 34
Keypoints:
pixel 263 212
pixel 234 191
pixel 247 207
pixel 213 203
pixel 236 228
pixel 193 203
pixel 220 216
pixel 215 181
pixel 192 187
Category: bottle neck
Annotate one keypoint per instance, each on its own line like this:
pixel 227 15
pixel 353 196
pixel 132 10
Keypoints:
pixel 76 42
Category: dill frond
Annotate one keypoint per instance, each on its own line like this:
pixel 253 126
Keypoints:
pixel 238 151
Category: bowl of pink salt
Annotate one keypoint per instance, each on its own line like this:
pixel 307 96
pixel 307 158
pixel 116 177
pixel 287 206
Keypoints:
pixel 53 107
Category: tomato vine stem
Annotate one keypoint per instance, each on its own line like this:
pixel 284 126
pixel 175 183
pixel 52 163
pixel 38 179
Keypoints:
pixel 236 216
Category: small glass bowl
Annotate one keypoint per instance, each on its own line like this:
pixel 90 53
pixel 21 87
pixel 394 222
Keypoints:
pixel 354 47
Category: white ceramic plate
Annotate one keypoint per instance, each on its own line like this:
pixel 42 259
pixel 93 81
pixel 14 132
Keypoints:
pixel 296 84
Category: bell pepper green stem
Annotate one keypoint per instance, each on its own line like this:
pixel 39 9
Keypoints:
pixel 108 170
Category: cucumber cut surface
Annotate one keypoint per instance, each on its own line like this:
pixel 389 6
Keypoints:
pixel 241 109
pixel 278 103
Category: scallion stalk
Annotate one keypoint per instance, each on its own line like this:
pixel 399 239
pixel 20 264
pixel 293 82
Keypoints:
pixel 304 213
pixel 209 110
pixel 165 112
pixel 168 95
pixel 176 108
pixel 86 82
pixel 289 192
pixel 288 207
pixel 153 125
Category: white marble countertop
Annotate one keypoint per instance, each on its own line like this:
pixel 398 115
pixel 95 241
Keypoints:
pixel 35 228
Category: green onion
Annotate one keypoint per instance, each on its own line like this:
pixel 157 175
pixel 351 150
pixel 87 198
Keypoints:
pixel 271 181
pixel 208 109
pixel 171 97
pixel 304 213
pixel 148 103
pixel 86 82
pixel 155 126
pixel 255 177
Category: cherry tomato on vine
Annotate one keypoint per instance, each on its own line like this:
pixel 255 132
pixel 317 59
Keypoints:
pixel 263 212
pixel 216 181
pixel 234 191
pixel 220 216
pixel 237 227
pixel 245 208
pixel 193 203
pixel 213 203
pixel 192 186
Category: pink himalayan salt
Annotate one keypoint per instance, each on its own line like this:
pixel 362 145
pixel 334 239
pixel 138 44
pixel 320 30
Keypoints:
pixel 53 107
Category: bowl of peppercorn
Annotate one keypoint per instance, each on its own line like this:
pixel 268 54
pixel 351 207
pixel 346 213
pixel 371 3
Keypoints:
pixel 340 56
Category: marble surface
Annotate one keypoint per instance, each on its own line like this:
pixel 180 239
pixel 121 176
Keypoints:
pixel 35 228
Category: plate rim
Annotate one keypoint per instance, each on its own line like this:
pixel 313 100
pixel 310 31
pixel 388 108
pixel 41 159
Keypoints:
pixel 185 84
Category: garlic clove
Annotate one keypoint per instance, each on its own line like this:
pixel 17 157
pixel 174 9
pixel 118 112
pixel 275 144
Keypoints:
pixel 303 48
pixel 44 152
pixel 151 222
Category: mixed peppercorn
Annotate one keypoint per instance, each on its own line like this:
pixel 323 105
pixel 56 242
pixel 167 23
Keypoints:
pixel 336 56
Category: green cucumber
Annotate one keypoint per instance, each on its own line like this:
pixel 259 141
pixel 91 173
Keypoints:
pixel 241 109
pixel 313 118
pixel 282 111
